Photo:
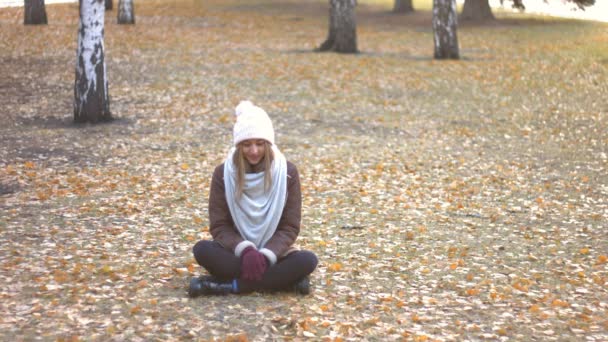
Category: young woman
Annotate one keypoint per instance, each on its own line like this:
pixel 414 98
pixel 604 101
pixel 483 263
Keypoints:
pixel 254 213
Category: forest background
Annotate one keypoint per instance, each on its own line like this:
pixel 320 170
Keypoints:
pixel 446 200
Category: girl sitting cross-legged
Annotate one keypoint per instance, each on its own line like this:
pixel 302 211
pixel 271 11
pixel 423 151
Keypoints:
pixel 254 214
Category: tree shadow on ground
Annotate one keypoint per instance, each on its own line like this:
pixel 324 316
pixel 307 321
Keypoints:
pixel 466 55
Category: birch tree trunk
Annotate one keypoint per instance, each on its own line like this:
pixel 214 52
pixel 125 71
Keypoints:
pixel 91 100
pixel 34 12
pixel 476 10
pixel 403 6
pixel 445 27
pixel 125 12
pixel 342 35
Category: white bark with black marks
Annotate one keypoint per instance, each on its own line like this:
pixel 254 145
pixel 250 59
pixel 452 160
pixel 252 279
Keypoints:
pixel 342 35
pixel 125 12
pixel 445 27
pixel 34 12
pixel 91 100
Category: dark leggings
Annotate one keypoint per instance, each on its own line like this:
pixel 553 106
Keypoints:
pixel 226 266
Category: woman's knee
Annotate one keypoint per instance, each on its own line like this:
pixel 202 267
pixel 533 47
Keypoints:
pixel 309 260
pixel 200 250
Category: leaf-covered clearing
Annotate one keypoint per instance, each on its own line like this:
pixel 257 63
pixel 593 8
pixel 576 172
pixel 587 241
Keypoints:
pixel 446 200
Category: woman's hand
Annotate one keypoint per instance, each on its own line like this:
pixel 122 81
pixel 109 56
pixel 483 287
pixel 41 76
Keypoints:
pixel 253 264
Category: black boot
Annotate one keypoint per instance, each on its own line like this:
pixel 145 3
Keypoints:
pixel 208 285
pixel 302 286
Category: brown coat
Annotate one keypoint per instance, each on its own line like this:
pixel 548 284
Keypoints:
pixel 222 226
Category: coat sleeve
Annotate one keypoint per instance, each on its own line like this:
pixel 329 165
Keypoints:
pixel 289 224
pixel 221 225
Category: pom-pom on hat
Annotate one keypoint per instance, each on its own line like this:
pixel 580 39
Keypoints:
pixel 252 122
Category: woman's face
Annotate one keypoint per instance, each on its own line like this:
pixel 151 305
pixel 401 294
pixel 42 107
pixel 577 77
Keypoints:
pixel 253 150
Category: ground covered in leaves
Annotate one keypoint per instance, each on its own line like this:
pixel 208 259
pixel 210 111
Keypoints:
pixel 446 200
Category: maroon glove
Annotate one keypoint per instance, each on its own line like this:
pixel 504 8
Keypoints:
pixel 253 264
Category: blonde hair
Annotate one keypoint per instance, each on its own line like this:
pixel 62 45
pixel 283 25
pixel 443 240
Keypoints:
pixel 243 166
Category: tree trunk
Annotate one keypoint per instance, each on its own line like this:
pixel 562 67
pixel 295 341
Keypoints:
pixel 403 6
pixel 476 10
pixel 329 42
pixel 34 12
pixel 91 100
pixel 445 28
pixel 342 35
pixel 108 5
pixel 125 12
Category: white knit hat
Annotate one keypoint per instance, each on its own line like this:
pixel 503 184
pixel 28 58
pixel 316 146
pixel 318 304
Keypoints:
pixel 252 122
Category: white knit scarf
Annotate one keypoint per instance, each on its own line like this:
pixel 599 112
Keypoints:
pixel 257 213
